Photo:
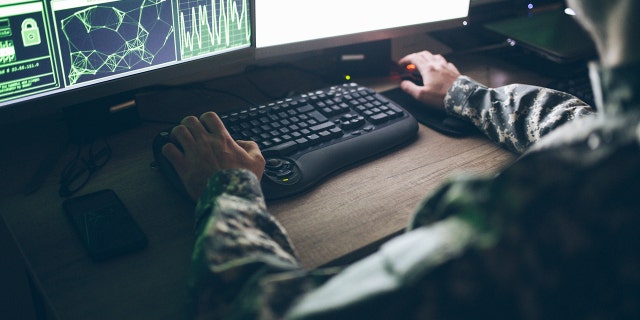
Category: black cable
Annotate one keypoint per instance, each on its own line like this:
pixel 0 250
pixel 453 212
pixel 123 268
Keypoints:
pixel 77 172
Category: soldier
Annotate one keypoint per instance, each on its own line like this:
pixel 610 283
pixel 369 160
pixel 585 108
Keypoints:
pixel 555 235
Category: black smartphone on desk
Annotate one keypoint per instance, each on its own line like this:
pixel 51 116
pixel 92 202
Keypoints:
pixel 104 225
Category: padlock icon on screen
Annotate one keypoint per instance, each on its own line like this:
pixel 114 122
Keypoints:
pixel 30 32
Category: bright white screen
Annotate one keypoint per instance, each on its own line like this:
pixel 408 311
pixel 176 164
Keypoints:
pixel 289 21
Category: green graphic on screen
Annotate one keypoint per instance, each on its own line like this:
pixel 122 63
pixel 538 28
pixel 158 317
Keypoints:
pixel 210 26
pixel 51 46
pixel 105 40
pixel 27 64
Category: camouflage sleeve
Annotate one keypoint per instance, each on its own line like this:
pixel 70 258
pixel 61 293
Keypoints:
pixel 237 243
pixel 514 116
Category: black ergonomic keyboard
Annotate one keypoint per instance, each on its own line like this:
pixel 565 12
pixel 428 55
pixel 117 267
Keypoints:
pixel 308 137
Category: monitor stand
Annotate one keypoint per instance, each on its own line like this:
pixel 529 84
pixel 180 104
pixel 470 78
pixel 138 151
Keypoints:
pixel 100 118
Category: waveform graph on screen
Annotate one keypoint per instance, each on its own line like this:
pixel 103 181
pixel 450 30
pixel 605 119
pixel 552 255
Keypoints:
pixel 211 26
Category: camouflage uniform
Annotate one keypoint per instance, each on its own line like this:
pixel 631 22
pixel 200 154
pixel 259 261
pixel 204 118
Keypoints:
pixel 555 235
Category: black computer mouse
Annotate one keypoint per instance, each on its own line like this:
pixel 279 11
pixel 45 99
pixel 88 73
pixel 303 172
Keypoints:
pixel 163 164
pixel 410 72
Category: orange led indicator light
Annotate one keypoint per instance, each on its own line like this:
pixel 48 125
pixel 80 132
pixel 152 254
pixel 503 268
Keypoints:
pixel 411 67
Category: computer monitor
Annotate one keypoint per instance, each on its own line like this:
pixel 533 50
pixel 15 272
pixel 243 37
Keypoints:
pixel 285 27
pixel 59 53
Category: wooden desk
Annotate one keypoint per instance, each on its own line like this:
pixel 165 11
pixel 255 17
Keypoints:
pixel 346 213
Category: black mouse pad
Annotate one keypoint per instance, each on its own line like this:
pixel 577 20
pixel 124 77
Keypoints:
pixel 431 117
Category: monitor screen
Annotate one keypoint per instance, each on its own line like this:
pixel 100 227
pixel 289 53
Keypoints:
pixel 61 52
pixel 476 3
pixel 292 26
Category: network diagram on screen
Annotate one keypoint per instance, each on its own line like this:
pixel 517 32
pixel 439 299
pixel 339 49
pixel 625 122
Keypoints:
pixel 48 46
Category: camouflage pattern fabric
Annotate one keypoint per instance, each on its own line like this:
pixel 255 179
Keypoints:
pixel 514 116
pixel 553 236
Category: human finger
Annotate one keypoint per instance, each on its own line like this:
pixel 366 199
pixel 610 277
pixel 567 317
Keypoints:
pixel 214 125
pixel 439 58
pixel 452 67
pixel 174 156
pixel 415 58
pixel 256 159
pixel 251 147
pixel 411 88
pixel 195 127
pixel 182 135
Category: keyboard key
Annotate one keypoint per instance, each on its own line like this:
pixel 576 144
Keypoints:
pixel 379 118
pixel 305 109
pixel 313 139
pixel 325 135
pixel 318 116
pixel 323 126
pixel 284 149
pixel 302 142
pixel 336 132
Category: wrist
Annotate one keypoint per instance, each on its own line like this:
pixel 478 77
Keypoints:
pixel 239 183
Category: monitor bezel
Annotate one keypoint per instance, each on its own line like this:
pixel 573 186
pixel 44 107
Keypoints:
pixel 284 51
